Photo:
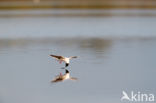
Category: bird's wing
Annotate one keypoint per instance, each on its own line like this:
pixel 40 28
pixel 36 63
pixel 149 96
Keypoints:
pixel 73 57
pixel 57 79
pixel 73 78
pixel 58 57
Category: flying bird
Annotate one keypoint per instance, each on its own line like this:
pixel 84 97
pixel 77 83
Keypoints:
pixel 63 59
pixel 61 77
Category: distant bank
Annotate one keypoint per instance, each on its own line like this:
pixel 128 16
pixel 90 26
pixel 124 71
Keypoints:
pixel 73 4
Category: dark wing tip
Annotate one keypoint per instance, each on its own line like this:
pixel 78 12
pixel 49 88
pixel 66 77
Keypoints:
pixel 73 78
pixel 55 56
pixel 57 79
pixel 74 56
pixel 52 55
pixel 53 81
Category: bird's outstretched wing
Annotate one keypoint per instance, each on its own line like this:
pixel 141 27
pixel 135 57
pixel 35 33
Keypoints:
pixel 57 79
pixel 73 57
pixel 57 57
pixel 73 78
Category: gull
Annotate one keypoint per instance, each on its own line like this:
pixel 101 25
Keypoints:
pixel 63 59
pixel 61 77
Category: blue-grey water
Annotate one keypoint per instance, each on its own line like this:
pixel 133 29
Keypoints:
pixel 115 53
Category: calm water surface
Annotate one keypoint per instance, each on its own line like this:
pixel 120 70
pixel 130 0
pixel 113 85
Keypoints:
pixel 105 67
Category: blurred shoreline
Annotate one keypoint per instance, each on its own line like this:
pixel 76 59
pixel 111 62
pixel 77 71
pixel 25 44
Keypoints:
pixel 85 41
pixel 85 4
pixel 78 13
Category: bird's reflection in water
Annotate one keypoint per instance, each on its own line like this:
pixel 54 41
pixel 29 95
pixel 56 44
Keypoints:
pixel 61 77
